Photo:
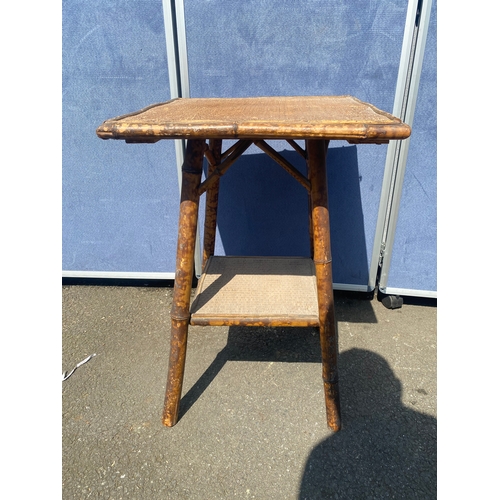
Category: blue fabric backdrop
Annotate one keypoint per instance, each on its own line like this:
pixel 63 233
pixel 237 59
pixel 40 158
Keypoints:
pixel 270 47
pixel 120 201
pixel 414 257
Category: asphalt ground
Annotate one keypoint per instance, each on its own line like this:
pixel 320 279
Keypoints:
pixel 252 419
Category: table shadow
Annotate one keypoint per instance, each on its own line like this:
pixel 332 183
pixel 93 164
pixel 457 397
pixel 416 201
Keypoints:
pixel 263 211
pixel 279 344
pixel 276 344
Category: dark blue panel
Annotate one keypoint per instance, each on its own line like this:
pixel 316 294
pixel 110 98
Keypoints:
pixel 270 47
pixel 120 201
pixel 414 256
pixel 272 218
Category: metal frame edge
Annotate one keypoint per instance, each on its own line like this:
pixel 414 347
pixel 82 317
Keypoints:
pixel 177 59
pixel 381 247
pixel 401 167
pixel 119 275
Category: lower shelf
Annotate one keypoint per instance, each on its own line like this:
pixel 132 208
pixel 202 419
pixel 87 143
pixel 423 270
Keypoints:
pixel 257 291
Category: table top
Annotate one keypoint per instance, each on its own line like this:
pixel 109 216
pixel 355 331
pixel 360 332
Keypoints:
pixel 307 117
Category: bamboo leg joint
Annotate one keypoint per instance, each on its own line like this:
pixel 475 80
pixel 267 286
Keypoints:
pixel 322 262
pixel 332 380
pixel 176 317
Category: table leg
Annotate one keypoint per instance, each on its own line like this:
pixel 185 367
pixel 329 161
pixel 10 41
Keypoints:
pixel 188 220
pixel 316 150
pixel 212 200
pixel 309 206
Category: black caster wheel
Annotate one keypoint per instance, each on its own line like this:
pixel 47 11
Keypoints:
pixel 392 301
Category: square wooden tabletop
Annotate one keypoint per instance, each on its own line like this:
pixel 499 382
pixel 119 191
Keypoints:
pixel 294 117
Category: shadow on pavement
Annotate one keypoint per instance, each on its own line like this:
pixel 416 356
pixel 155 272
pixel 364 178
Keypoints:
pixel 282 345
pixel 285 344
pixel 384 450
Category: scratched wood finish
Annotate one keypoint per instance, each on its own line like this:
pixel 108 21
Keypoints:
pixel 213 154
pixel 188 220
pixel 309 117
pixel 316 154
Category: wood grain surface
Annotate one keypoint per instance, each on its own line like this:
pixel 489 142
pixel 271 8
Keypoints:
pixel 307 117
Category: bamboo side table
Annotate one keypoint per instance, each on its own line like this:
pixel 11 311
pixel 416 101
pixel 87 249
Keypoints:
pixel 254 291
